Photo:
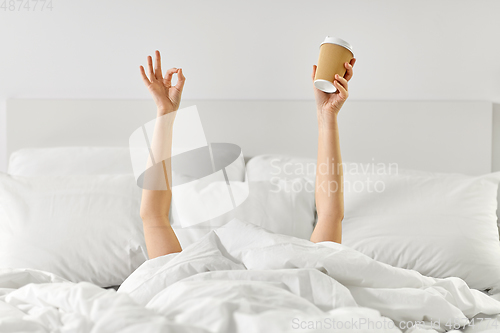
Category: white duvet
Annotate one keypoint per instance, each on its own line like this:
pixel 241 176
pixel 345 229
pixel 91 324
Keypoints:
pixel 241 278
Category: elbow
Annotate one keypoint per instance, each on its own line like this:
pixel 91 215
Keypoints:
pixel 144 215
pixel 341 216
pixel 155 204
pixel 336 218
pixel 332 217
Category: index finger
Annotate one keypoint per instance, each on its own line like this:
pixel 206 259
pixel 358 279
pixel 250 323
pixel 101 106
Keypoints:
pixel 168 77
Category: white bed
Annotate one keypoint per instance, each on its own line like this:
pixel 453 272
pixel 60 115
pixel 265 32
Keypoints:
pixel 423 255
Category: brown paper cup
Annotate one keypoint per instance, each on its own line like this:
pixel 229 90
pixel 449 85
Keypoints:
pixel 333 53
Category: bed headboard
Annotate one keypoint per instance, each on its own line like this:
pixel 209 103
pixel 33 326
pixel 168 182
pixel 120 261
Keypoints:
pixel 454 136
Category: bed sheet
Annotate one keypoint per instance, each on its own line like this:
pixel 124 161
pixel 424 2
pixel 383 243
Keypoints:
pixel 482 323
pixel 241 278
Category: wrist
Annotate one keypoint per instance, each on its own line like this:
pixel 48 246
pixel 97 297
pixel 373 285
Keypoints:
pixel 161 111
pixel 327 120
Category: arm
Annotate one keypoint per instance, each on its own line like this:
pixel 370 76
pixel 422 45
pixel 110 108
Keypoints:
pixel 329 173
pixel 155 205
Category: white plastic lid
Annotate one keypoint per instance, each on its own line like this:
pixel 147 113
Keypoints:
pixel 325 86
pixel 338 41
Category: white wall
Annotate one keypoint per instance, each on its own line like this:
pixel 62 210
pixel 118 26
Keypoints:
pixel 419 50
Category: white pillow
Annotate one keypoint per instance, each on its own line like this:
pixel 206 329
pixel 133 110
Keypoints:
pixel 440 225
pixel 282 206
pixel 62 161
pixel 82 228
pixel 267 167
pixel 490 176
pixel 66 161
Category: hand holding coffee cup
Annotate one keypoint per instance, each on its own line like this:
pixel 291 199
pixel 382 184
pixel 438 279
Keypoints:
pixel 329 104
pixel 333 54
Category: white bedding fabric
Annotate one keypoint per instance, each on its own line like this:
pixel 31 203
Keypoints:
pixel 272 206
pixel 83 228
pixel 440 224
pixel 242 278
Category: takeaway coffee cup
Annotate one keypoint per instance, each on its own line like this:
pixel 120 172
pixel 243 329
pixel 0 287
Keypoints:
pixel 333 53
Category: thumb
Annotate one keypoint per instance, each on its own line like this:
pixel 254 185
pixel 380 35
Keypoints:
pixel 180 79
